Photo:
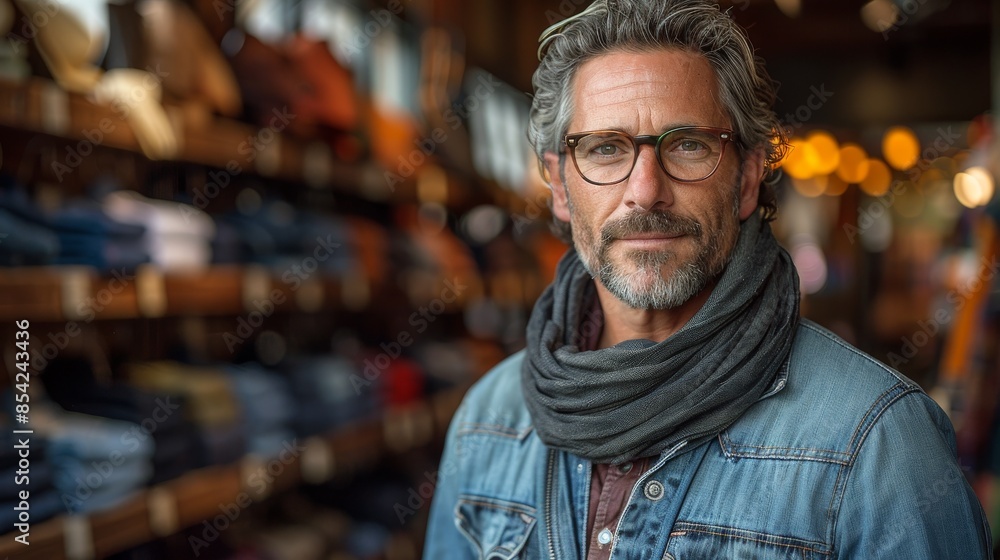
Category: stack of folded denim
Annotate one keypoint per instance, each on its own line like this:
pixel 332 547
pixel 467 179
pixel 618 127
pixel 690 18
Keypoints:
pixel 331 392
pixel 88 236
pixel 70 382
pixel 43 498
pixel 267 406
pixel 213 406
pixel 27 238
pixel 279 236
pixel 97 463
pixel 177 235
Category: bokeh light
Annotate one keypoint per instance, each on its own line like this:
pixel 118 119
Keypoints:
pixel 810 262
pixel 854 164
pixel 826 152
pixel 791 8
pixel 798 163
pixel 811 187
pixel 900 147
pixel 984 186
pixel 879 15
pixel 879 177
pixel 835 186
pixel 970 190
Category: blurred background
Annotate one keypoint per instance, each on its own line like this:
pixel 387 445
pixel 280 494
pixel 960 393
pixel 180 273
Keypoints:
pixel 255 251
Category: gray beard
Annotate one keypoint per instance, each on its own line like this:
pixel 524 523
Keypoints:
pixel 659 290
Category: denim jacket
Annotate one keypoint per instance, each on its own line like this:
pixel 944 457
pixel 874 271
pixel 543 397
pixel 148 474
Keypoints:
pixel 842 458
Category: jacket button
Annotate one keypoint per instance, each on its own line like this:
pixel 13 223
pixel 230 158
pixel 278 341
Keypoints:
pixel 604 537
pixel 653 490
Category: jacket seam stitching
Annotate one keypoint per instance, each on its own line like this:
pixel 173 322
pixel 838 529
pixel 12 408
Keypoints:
pixel 856 352
pixel 493 429
pixel 514 508
pixel 737 448
pixel 754 536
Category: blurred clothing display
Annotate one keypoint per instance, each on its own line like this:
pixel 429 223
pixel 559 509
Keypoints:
pixel 97 463
pixel 70 382
pixel 87 236
pixel 193 68
pixel 178 236
pixel 209 391
pixel 267 405
pixel 330 393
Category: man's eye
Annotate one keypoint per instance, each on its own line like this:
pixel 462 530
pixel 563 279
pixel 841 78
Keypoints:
pixel 607 149
pixel 690 146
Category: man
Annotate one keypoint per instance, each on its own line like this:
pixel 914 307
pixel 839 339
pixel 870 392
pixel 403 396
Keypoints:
pixel 670 402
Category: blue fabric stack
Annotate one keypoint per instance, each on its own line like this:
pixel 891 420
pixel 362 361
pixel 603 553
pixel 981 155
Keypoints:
pixel 267 405
pixel 331 392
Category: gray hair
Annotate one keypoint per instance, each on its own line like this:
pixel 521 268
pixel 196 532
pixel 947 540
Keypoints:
pixel 698 26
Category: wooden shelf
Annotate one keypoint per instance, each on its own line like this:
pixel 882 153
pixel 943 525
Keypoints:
pixel 39 105
pixel 194 497
pixel 78 293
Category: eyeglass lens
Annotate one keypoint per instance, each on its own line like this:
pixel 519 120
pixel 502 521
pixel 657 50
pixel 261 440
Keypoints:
pixel 686 154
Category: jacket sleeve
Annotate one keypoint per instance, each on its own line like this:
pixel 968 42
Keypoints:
pixel 905 495
pixel 443 539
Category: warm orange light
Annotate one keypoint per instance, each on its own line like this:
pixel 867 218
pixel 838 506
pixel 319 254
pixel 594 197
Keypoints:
pixel 879 15
pixel 811 187
pixel 879 177
pixel 835 186
pixel 799 162
pixel 985 184
pixel 853 167
pixel 900 147
pixel 825 152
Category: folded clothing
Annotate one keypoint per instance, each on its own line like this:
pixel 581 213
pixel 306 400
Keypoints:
pixel 264 396
pixel 208 390
pixel 278 236
pixel 88 236
pixel 224 444
pixel 70 382
pixel 97 463
pixel 26 243
pixel 330 392
pixel 177 235
pixel 271 443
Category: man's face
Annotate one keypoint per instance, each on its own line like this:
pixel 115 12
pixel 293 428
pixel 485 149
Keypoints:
pixel 653 242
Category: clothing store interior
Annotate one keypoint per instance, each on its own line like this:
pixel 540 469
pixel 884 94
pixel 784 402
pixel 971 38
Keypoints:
pixel 254 252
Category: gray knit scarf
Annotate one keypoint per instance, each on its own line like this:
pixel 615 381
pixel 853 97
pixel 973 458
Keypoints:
pixel 636 400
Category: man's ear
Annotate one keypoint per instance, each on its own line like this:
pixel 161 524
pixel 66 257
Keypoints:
pixel 560 200
pixel 753 174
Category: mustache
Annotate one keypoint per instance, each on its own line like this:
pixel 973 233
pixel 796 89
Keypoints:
pixel 664 222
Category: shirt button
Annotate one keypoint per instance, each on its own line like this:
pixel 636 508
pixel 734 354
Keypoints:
pixel 653 490
pixel 604 537
pixel 624 468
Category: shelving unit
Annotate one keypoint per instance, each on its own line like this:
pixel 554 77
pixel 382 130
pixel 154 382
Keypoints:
pixel 194 497
pixel 147 313
pixel 40 106
pixel 73 293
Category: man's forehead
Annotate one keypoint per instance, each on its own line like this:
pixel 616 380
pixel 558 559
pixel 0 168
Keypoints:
pixel 668 86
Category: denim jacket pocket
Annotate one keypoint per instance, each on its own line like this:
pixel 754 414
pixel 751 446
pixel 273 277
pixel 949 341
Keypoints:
pixel 497 529
pixel 695 541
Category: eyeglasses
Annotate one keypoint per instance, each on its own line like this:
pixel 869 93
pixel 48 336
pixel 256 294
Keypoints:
pixel 686 154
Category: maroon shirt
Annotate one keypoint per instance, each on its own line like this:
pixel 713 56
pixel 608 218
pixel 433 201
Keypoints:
pixel 610 485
